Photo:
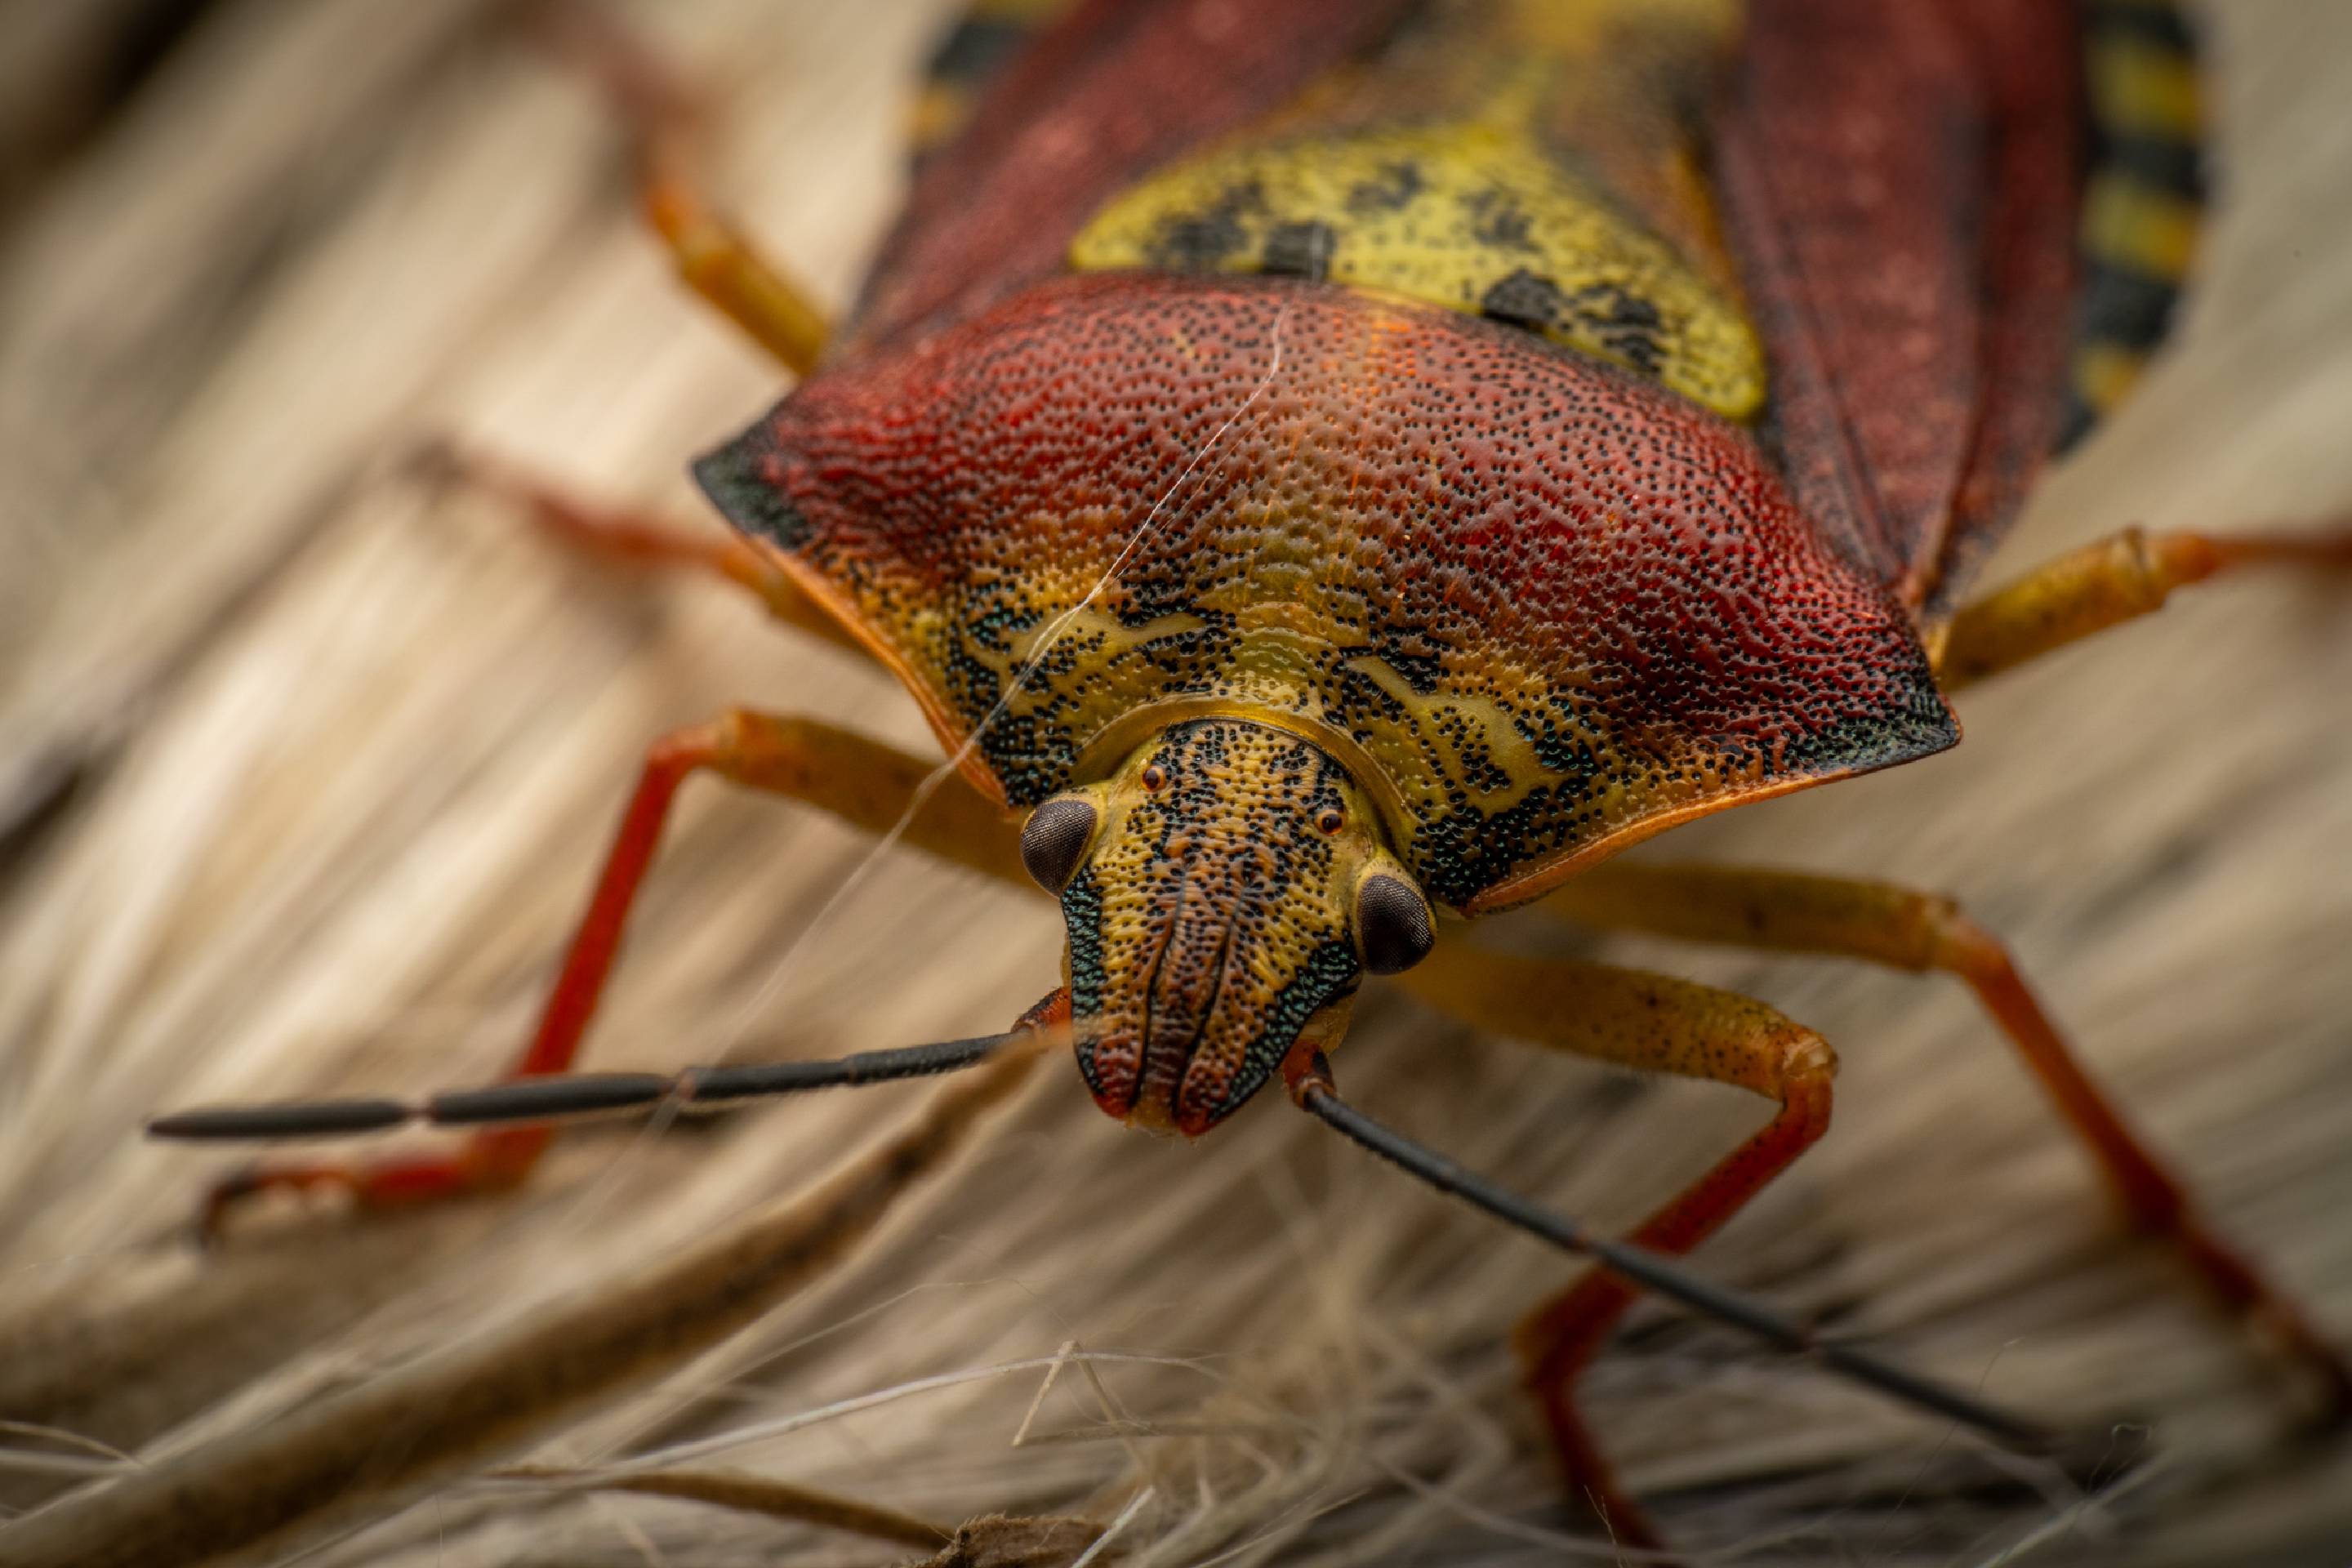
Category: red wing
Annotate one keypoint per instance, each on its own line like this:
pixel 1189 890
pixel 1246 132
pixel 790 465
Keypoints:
pixel 1111 91
pixel 1903 184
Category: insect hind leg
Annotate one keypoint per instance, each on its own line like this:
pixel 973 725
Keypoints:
pixel 1656 1024
pixel 868 785
pixel 1905 929
pixel 2107 582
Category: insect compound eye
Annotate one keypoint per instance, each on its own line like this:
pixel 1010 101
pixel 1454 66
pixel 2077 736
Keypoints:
pixel 1392 922
pixel 1054 841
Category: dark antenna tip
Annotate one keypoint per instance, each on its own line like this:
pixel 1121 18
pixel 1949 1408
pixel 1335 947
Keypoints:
pixel 296 1119
pixel 569 1095
pixel 1318 1095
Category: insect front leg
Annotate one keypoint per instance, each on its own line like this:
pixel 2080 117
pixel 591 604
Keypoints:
pixel 1903 929
pixel 2105 585
pixel 631 538
pixel 716 260
pixel 1656 1024
pixel 863 782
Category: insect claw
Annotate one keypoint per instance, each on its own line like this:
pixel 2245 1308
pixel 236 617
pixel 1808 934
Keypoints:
pixel 211 1221
pixel 248 1182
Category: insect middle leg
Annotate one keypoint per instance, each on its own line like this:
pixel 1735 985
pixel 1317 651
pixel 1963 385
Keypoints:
pixel 716 260
pixel 1907 929
pixel 632 538
pixel 2104 584
pixel 1656 1024
pixel 864 783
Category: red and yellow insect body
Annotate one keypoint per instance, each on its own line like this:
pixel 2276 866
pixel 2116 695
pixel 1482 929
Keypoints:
pixel 1332 462
pixel 1554 421
pixel 1531 605
pixel 1528 607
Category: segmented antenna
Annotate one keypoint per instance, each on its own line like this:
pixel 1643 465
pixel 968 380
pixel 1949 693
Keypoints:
pixel 572 1095
pixel 1319 1097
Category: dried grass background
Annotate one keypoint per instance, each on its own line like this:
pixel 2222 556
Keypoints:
pixel 343 750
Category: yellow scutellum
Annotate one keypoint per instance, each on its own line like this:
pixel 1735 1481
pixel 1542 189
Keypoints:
pixel 1462 197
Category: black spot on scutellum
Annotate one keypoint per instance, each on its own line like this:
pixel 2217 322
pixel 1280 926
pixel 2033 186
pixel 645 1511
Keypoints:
pixel 1203 240
pixel 1521 298
pixel 1054 841
pixel 1391 190
pixel 1300 251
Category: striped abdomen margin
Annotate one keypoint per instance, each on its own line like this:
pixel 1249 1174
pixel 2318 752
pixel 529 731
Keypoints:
pixel 2144 203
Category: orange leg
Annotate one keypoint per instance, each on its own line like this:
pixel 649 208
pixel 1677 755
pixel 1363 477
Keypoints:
pixel 2105 585
pixel 714 258
pixel 632 539
pixel 1649 1022
pixel 861 781
pixel 1919 931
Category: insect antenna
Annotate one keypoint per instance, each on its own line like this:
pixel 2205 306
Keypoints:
pixel 573 1095
pixel 1319 1097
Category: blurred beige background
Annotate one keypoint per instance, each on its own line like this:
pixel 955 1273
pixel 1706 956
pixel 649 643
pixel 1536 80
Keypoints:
pixel 344 750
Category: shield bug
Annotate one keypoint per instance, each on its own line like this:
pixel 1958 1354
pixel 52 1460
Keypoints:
pixel 1331 472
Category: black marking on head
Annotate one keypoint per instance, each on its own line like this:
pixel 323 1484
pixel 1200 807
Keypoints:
pixel 736 478
pixel 1329 973
pixel 1082 913
pixel 1392 924
pixel 1054 841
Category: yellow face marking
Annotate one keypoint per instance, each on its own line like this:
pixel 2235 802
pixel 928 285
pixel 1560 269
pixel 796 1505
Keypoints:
pixel 1213 919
